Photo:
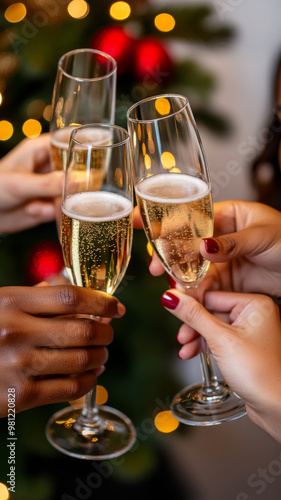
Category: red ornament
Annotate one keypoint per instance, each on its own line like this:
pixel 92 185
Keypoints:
pixel 45 259
pixel 115 41
pixel 153 65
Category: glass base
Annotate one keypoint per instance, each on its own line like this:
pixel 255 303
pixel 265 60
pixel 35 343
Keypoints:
pixel 115 437
pixel 196 405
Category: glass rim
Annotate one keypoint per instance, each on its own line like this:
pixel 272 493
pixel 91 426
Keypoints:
pixel 99 125
pixel 92 51
pixel 154 98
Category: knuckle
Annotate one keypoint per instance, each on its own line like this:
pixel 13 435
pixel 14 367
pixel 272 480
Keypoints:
pixel 107 305
pixel 75 388
pixel 25 394
pixel 68 296
pixel 6 333
pixel 229 245
pixel 8 299
pixel 85 330
pixel 83 359
pixel 192 313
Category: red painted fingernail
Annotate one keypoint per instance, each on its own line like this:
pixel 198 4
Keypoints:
pixel 169 300
pixel 171 281
pixel 211 245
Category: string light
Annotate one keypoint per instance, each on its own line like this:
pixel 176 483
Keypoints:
pixel 47 113
pixel 36 108
pixel 147 162
pixel 101 395
pixel 149 249
pixel 163 106
pixel 4 492
pixel 1 98
pixel 120 11
pixel 78 9
pixel 168 160
pixel 32 128
pixel 6 130
pixel 164 22
pixel 166 422
pixel 15 12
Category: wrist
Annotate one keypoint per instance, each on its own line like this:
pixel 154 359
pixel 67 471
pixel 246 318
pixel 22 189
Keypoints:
pixel 268 416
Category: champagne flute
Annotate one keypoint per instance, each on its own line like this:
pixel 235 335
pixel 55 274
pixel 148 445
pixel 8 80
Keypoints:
pixel 84 92
pixel 96 236
pixel 173 192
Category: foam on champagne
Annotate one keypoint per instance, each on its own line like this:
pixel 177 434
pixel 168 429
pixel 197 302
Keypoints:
pixel 93 137
pixel 97 206
pixel 172 188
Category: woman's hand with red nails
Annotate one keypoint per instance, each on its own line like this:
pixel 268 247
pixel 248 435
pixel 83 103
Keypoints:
pixel 245 250
pixel 47 353
pixel 243 332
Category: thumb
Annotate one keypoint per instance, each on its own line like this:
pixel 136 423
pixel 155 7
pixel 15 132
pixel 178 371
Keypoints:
pixel 247 242
pixel 194 314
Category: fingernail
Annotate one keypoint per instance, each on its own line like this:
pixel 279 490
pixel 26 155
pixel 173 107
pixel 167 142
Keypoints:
pixel 211 245
pixel 179 337
pixel 121 309
pixel 179 355
pixel 99 371
pixel 171 281
pixel 169 300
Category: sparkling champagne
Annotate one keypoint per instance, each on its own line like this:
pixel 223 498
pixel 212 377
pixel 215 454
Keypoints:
pixel 60 145
pixel 97 230
pixel 176 211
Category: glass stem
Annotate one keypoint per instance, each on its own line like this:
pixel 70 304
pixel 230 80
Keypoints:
pixel 90 408
pixel 211 385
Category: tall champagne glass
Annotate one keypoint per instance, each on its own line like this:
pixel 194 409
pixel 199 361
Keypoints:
pixel 173 192
pixel 96 238
pixel 84 92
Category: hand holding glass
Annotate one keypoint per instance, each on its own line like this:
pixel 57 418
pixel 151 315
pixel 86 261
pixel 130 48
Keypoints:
pixel 173 192
pixel 96 240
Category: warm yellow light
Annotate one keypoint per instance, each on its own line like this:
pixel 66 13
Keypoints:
pixel 120 10
pixel 47 113
pixel 78 9
pixel 101 395
pixel 1 98
pixel 168 160
pixel 175 170
pixel 32 128
pixel 15 12
pixel 149 249
pixel 6 130
pixel 36 108
pixel 163 106
pixel 164 22
pixel 4 492
pixel 147 162
pixel 166 422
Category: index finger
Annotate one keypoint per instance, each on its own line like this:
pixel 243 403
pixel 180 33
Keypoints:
pixel 57 300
